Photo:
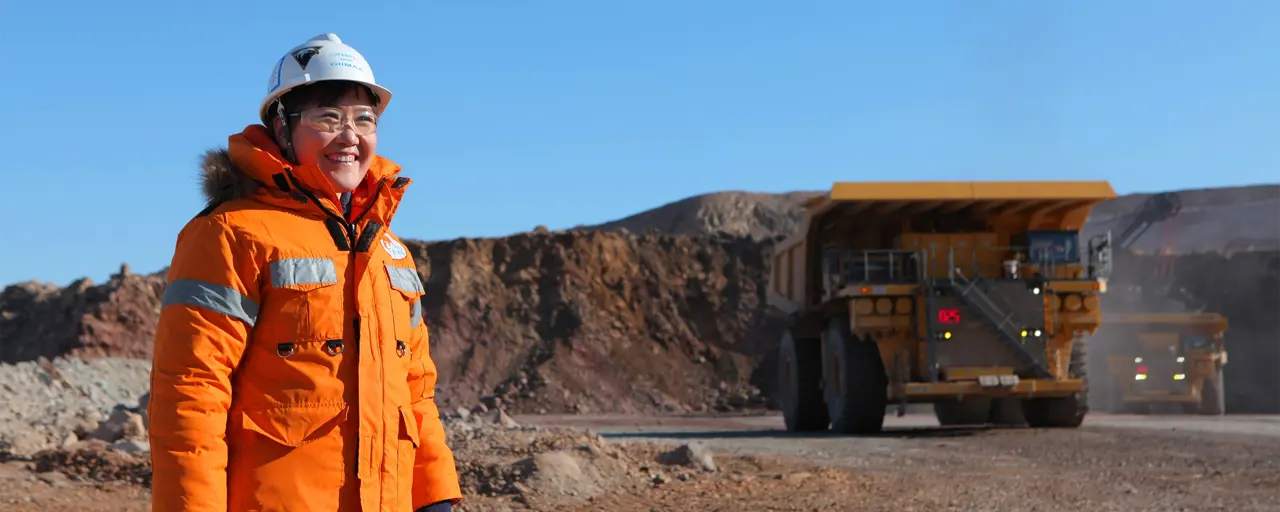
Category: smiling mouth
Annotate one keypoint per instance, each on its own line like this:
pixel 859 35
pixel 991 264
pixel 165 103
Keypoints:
pixel 341 158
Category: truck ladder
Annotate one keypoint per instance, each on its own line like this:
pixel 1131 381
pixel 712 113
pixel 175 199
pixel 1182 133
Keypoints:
pixel 1010 331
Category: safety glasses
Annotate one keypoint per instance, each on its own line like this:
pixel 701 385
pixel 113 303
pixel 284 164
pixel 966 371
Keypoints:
pixel 333 120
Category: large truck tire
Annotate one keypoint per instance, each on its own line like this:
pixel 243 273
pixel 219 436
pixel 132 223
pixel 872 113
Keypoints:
pixel 800 384
pixel 1068 411
pixel 854 381
pixel 967 411
pixel 1007 412
pixel 1213 396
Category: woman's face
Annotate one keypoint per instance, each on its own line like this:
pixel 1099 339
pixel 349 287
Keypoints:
pixel 329 137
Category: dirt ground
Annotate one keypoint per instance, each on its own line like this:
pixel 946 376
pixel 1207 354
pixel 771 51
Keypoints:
pixel 1112 463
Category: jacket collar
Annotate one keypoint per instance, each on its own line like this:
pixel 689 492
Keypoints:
pixel 253 166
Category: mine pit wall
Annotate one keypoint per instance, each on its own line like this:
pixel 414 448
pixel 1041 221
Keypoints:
pixel 1245 288
pixel 595 321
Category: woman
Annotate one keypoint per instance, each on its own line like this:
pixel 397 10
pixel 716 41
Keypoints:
pixel 292 367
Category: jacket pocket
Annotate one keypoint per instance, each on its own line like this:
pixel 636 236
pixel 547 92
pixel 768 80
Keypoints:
pixel 304 301
pixel 406 453
pixel 406 301
pixel 408 425
pixel 402 365
pixel 287 371
pixel 289 458
pixel 295 426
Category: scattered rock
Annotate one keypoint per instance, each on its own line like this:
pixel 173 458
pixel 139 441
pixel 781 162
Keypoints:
pixel 501 418
pixel 123 424
pixel 131 446
pixel 54 478
pixel 695 455
pixel 48 404
pixel 143 402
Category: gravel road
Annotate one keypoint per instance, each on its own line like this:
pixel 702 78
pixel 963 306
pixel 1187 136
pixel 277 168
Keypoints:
pixel 1112 463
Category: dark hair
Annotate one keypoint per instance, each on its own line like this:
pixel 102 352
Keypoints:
pixel 324 93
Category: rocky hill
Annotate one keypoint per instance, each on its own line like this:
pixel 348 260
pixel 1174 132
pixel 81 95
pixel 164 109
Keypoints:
pixel 750 214
pixel 1226 218
pixel 115 318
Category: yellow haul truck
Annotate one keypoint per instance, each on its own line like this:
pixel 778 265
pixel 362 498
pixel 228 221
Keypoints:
pixel 1159 350
pixel 1166 358
pixel 972 296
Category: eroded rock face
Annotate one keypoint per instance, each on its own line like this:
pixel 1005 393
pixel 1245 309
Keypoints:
pixel 584 321
pixel 115 318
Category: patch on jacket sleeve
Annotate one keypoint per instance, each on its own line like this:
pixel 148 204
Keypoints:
pixel 394 249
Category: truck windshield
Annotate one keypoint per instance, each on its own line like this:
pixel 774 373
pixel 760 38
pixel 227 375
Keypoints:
pixel 1191 341
pixel 1053 246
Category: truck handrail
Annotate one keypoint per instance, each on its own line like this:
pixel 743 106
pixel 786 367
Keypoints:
pixel 842 267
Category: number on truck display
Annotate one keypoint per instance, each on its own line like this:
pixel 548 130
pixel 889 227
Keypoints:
pixel 949 316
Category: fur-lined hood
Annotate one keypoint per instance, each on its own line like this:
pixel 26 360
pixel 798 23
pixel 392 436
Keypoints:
pixel 221 180
pixel 251 164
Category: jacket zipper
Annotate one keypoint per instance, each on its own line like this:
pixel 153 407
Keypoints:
pixel 352 238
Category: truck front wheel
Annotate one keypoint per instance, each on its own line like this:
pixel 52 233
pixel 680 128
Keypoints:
pixel 855 384
pixel 800 384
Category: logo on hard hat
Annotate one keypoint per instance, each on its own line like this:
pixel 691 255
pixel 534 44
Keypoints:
pixel 304 55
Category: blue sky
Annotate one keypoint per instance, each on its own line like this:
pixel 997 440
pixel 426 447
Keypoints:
pixel 514 114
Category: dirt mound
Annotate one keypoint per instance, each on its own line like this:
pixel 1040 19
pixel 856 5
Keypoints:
pixel 94 462
pixel 756 215
pixel 593 321
pixel 534 465
pixel 115 318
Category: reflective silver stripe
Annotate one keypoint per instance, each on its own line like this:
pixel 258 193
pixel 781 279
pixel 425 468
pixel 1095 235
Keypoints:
pixel 213 297
pixel 404 279
pixel 300 271
pixel 415 313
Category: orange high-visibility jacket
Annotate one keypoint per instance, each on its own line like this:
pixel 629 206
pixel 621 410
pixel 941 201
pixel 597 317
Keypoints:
pixel 292 367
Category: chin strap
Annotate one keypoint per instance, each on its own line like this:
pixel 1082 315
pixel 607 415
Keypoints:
pixel 287 150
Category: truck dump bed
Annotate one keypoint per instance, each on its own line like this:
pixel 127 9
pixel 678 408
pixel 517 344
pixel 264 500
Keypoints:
pixel 1024 204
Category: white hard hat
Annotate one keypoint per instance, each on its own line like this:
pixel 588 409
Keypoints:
pixel 323 57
